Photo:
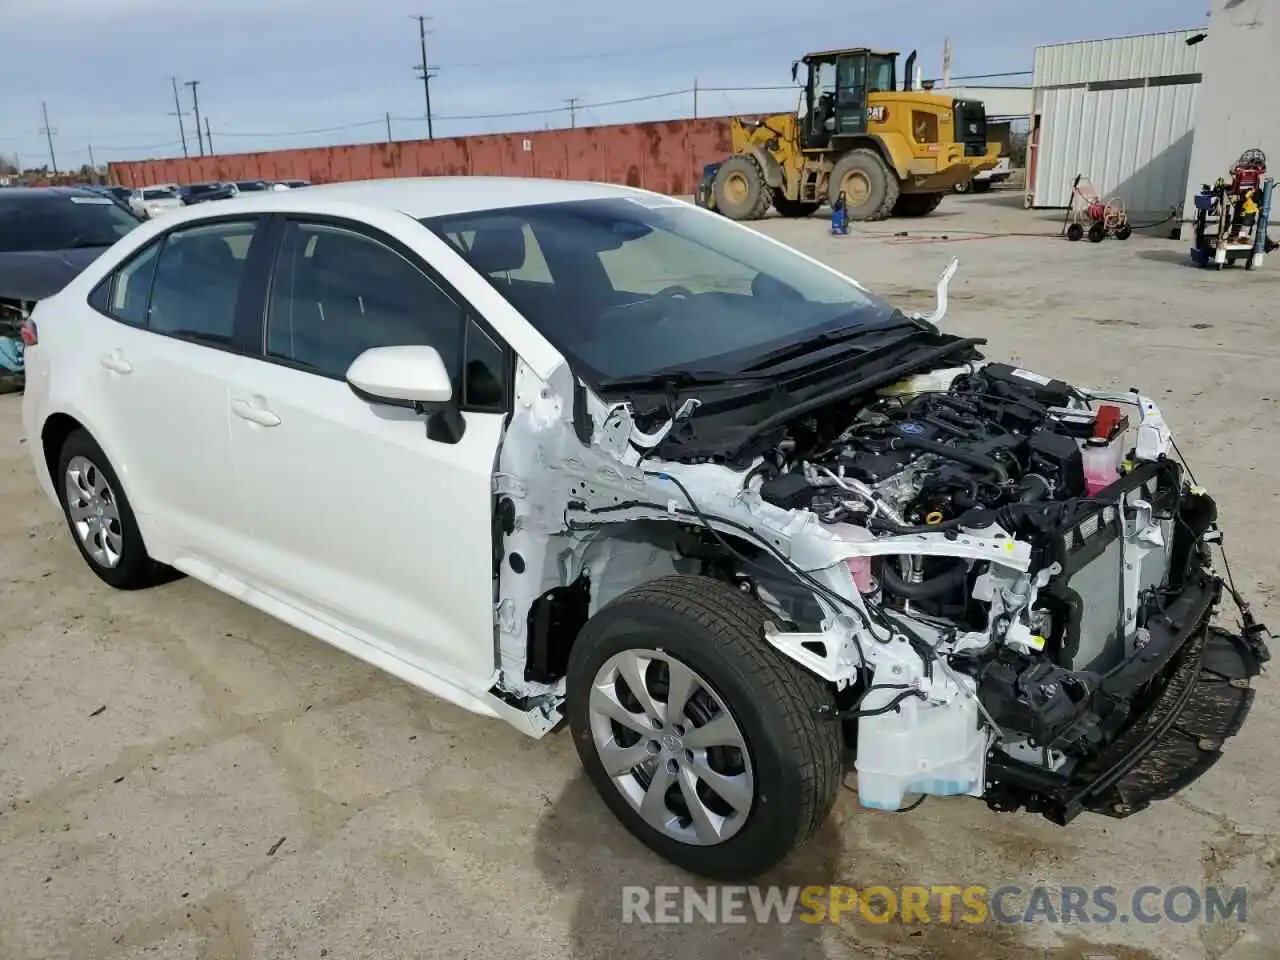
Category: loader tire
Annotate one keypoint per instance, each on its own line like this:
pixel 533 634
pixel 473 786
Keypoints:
pixel 792 208
pixel 916 204
pixel 740 190
pixel 870 187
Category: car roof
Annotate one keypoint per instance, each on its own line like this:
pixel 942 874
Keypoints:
pixel 50 193
pixel 433 196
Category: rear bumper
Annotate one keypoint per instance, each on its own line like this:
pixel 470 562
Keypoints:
pixel 1196 683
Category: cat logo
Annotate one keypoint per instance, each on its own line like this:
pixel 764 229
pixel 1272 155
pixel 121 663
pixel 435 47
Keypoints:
pixel 878 113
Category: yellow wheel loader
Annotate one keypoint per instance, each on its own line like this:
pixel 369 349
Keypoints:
pixel 856 136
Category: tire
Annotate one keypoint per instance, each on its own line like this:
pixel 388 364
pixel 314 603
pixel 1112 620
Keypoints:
pixel 82 463
pixel 1124 232
pixel 963 187
pixel 916 204
pixel 981 186
pixel 1075 232
pixel 740 190
pixel 792 757
pixel 1097 232
pixel 792 208
pixel 876 179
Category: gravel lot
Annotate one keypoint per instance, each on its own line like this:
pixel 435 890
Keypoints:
pixel 181 777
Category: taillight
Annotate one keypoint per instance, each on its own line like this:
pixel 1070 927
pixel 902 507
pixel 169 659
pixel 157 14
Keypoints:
pixel 30 336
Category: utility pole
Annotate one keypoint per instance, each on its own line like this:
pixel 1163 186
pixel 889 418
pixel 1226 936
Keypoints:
pixel 208 137
pixel 388 126
pixel 177 107
pixel 573 113
pixel 48 131
pixel 195 100
pixel 946 64
pixel 92 165
pixel 428 71
pixel 695 98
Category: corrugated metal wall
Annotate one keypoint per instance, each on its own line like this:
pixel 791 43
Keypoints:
pixel 665 156
pixel 1121 58
pixel 1122 113
pixel 1133 143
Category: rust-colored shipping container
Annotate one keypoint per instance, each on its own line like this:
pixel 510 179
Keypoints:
pixel 666 156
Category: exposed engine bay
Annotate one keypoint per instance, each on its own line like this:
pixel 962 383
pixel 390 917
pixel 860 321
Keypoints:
pixel 1007 579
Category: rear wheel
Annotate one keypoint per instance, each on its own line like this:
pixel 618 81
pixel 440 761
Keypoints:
pixel 1097 232
pixel 981 186
pixel 916 204
pixel 1075 232
pixel 740 190
pixel 792 208
pixel 707 743
pixel 100 517
pixel 870 188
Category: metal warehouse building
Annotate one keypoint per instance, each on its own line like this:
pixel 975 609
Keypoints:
pixel 1150 118
pixel 1122 112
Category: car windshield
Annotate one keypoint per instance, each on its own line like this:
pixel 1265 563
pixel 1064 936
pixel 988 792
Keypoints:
pixel 198 188
pixel 158 193
pixel 627 287
pixel 30 223
pixel 251 185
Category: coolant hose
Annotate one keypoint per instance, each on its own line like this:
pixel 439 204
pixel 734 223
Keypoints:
pixel 976 460
pixel 892 582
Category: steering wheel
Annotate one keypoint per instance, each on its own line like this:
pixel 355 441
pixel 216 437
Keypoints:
pixel 675 291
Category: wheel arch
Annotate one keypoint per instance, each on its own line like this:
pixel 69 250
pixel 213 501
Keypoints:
pixel 769 166
pixel 54 431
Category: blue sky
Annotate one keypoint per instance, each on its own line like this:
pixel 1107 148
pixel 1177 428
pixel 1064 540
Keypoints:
pixel 271 68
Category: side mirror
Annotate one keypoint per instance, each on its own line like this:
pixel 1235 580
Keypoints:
pixel 409 376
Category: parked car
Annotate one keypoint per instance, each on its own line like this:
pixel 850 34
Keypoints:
pixel 119 194
pixel 556 451
pixel 148 202
pixel 984 180
pixel 47 236
pixel 251 186
pixel 194 193
pixel 289 184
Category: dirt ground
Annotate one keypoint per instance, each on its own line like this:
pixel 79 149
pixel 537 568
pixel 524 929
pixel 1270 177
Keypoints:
pixel 181 777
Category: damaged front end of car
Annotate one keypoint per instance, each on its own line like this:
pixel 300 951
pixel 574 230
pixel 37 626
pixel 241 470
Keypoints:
pixel 1006 580
pixel 13 317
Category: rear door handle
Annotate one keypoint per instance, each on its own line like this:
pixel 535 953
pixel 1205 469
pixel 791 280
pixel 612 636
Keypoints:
pixel 254 414
pixel 115 362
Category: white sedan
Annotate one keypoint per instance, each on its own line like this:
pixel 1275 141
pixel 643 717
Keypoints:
pixel 575 451
pixel 149 202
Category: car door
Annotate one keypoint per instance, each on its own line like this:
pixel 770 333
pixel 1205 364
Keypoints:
pixel 359 518
pixel 163 369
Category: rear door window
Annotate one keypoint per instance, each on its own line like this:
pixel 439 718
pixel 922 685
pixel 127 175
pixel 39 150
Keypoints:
pixel 197 281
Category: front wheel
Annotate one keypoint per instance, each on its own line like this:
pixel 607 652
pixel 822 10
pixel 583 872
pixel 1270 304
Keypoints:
pixel 711 747
pixel 740 190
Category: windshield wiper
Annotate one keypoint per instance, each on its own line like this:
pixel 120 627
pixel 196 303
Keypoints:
pixel 675 379
pixel 822 340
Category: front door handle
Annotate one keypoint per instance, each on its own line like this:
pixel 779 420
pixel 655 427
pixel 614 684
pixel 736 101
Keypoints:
pixel 254 414
pixel 115 362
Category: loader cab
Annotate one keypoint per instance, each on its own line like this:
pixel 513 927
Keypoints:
pixel 837 84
